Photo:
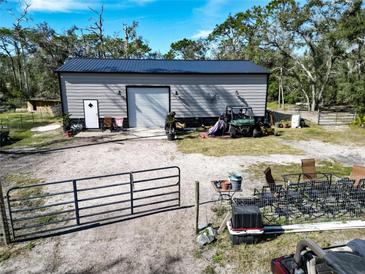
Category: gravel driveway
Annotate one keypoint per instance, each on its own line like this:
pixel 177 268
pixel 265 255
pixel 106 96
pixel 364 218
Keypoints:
pixel 160 243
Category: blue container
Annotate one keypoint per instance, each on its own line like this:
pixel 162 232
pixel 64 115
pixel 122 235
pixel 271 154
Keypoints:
pixel 236 181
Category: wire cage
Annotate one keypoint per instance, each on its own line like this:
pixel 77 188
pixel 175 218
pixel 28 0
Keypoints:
pixel 311 201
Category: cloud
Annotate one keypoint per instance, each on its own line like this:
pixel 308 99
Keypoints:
pixel 209 12
pixel 203 33
pixel 60 5
pixel 74 5
pixel 141 2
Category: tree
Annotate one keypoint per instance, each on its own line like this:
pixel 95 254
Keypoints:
pixel 97 31
pixel 308 36
pixel 28 55
pixel 187 49
pixel 351 70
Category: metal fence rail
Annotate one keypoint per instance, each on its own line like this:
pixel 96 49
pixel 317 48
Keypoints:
pixel 45 208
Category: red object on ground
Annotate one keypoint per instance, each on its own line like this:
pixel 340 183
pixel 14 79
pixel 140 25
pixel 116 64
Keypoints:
pixel 203 135
pixel 277 268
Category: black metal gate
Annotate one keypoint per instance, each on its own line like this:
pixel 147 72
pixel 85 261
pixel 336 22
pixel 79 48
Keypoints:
pixel 56 207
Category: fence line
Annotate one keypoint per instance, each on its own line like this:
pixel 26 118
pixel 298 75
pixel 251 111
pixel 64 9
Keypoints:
pixel 78 204
pixel 4 233
pixel 23 120
pixel 335 118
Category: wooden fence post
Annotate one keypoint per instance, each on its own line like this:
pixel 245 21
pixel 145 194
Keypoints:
pixel 197 207
pixel 4 220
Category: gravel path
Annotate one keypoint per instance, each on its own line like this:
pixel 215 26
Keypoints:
pixel 160 243
pixel 347 155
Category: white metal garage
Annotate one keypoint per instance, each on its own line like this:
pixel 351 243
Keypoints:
pixel 147 106
pixel 143 91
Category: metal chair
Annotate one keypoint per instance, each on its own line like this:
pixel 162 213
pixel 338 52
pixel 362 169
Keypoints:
pixel 357 174
pixel 309 169
pixel 107 123
pixel 271 191
pixel 309 173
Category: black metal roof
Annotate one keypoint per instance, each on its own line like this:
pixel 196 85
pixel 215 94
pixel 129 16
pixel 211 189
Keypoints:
pixel 150 66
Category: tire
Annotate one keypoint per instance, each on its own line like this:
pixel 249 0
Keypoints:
pixel 249 239
pixel 232 132
pixel 256 133
pixel 247 132
pixel 170 136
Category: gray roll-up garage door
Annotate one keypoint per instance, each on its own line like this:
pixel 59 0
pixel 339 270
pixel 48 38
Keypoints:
pixel 147 106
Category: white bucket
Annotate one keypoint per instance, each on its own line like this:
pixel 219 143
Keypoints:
pixel 295 121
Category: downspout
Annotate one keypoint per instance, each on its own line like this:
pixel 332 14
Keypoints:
pixel 60 89
pixel 267 92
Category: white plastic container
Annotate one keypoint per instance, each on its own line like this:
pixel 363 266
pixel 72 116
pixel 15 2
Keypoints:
pixel 295 121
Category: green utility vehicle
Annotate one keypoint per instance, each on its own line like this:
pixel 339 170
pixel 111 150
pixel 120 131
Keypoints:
pixel 242 122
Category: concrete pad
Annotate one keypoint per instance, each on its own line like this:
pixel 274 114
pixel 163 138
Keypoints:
pixel 49 127
pixel 145 133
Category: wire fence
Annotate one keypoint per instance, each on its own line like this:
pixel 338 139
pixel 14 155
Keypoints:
pixel 24 120
pixel 312 201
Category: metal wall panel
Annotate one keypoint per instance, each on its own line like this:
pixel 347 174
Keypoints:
pixel 191 95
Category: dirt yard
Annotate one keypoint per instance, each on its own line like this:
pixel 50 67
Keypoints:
pixel 160 243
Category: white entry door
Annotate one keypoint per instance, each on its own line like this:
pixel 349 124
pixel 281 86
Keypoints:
pixel 147 106
pixel 91 112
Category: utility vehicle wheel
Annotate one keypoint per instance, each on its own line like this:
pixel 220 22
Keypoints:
pixel 256 133
pixel 232 132
pixel 247 132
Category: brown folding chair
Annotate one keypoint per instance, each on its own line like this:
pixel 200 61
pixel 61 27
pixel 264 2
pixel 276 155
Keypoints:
pixel 357 174
pixel 270 179
pixel 270 192
pixel 309 169
pixel 107 123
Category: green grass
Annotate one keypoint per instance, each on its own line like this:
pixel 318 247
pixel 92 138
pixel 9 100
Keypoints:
pixel 209 270
pixel 30 139
pixel 256 258
pixel 218 146
pixel 8 251
pixel 19 125
pixel 47 219
pixel 220 210
pixel 26 120
pixel 256 171
pixel 198 253
pixel 218 258
pixel 12 180
pixel 4 255
pixel 347 135
pixel 273 105
pixel 19 179
pixel 223 146
pixel 30 245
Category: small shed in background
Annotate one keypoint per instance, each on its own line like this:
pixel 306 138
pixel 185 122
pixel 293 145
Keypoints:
pixel 49 106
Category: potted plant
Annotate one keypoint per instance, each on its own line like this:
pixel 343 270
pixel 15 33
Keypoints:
pixel 66 122
pixel 67 125
pixel 286 124
pixel 170 126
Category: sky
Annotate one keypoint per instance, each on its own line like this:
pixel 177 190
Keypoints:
pixel 161 22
